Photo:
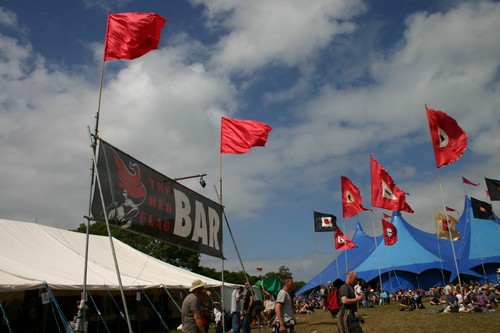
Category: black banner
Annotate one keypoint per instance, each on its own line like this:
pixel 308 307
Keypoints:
pixel 141 200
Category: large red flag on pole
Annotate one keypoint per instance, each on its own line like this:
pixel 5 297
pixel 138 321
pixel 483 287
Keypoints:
pixel 131 35
pixel 342 242
pixel 239 136
pixel 385 194
pixel 448 139
pixel 352 203
pixel 390 233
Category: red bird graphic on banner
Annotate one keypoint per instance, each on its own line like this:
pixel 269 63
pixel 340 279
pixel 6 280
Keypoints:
pixel 448 139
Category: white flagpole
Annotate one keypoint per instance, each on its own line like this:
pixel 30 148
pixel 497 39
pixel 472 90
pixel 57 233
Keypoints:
pixel 376 248
pixel 345 251
pixel 82 313
pixel 222 259
pixel 449 230
pixel 118 275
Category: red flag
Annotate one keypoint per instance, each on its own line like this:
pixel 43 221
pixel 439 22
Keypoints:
pixel 390 233
pixel 131 35
pixel 387 216
pixel 468 182
pixel 342 242
pixel 351 198
pixel 448 139
pixel 449 209
pixel 239 136
pixel 385 194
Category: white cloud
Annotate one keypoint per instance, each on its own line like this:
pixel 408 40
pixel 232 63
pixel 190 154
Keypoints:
pixel 262 33
pixel 164 109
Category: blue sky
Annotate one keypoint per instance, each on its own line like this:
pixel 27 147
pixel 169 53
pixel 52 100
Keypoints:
pixel 337 80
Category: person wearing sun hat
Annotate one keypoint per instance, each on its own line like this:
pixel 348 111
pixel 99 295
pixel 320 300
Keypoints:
pixel 191 308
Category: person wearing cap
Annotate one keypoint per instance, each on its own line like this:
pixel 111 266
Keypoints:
pixel 191 308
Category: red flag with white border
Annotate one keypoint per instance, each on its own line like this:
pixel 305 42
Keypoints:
pixel 352 204
pixel 448 138
pixel 385 194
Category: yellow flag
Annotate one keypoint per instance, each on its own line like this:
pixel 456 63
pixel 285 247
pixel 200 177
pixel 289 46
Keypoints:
pixel 444 228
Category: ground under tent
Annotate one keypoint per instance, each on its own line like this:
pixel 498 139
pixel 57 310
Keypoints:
pixel 41 264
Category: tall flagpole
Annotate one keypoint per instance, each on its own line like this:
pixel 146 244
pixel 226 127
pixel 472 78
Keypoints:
pixel 449 229
pixel 82 313
pixel 376 248
pixel 222 259
pixel 345 252
pixel 118 275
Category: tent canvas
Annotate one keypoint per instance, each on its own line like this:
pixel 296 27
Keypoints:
pixel 33 254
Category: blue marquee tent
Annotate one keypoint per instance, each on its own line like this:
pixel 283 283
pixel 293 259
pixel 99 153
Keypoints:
pixel 419 259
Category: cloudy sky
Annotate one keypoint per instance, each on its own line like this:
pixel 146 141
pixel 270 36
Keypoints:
pixel 337 80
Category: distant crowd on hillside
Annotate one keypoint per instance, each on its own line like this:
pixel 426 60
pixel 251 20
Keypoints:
pixel 471 297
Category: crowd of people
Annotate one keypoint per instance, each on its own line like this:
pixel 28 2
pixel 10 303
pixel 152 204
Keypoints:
pixel 248 310
pixel 471 297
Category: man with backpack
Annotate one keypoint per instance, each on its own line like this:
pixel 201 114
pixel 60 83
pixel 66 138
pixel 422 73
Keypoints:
pixel 348 320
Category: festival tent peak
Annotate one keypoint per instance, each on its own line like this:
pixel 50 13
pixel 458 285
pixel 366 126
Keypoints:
pixel 34 255
pixel 419 259
pixel 337 269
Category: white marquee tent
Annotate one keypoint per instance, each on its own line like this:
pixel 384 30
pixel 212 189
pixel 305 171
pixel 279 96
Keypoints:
pixel 32 255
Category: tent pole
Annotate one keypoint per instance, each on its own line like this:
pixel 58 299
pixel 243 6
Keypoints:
pixel 118 276
pixel 376 249
pixel 345 252
pixel 440 257
pixel 219 195
pixel 80 327
pixel 449 229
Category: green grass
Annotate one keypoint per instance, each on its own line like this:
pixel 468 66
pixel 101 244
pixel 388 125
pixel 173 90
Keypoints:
pixel 388 319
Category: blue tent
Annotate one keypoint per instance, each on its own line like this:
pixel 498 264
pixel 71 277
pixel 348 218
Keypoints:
pixel 419 259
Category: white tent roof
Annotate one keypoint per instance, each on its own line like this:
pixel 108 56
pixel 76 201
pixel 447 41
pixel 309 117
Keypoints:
pixel 32 255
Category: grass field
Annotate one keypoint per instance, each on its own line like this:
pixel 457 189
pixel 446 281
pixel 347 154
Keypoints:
pixel 388 319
